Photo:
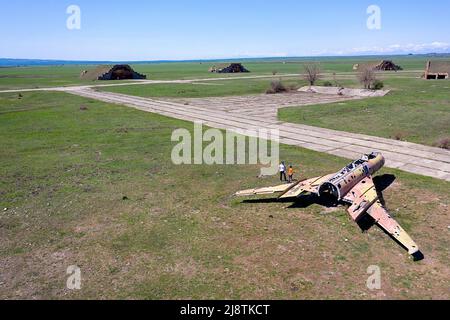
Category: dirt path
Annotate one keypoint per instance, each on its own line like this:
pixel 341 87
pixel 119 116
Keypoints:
pixel 259 112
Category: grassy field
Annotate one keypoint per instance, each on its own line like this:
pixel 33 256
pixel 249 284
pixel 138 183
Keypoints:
pixel 38 77
pixel 97 189
pixel 238 87
pixel 416 111
pixel 202 89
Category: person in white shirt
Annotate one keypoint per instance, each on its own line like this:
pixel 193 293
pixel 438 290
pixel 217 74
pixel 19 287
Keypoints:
pixel 283 176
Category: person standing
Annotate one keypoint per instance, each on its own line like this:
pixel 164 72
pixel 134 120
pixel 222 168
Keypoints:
pixel 283 172
pixel 291 174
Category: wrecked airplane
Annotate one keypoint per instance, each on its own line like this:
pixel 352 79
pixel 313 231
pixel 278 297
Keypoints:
pixel 352 186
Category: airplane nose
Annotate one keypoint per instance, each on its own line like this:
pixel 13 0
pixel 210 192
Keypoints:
pixel 379 158
pixel 382 160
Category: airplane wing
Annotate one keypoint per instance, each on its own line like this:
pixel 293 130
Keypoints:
pixel 388 224
pixel 264 191
pixel 361 197
pixel 291 190
pixel 364 199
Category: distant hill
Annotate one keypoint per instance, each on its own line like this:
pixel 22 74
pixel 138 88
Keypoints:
pixel 438 55
pixel 36 62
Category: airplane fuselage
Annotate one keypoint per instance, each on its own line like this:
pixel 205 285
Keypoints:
pixel 346 179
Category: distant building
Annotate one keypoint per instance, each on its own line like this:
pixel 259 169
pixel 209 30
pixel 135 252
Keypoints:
pixel 110 72
pixel 384 65
pixel 228 68
pixel 437 70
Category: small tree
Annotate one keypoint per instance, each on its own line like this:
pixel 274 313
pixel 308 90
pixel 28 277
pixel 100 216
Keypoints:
pixel 367 77
pixel 312 73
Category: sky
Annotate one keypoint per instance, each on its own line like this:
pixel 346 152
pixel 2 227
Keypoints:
pixel 213 29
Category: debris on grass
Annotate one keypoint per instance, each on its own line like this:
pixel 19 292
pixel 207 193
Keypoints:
pixel 122 130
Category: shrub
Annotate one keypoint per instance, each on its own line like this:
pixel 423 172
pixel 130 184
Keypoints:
pixel 443 143
pixel 274 72
pixel 378 85
pixel 276 87
pixel 327 84
pixel 399 136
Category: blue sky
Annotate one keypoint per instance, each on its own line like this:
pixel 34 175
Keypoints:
pixel 196 29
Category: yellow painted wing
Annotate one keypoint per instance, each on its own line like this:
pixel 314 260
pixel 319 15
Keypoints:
pixel 291 190
pixel 364 199
pixel 388 224
pixel 265 191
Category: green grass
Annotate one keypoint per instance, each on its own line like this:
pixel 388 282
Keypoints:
pixel 196 90
pixel 416 111
pixel 38 77
pixel 97 189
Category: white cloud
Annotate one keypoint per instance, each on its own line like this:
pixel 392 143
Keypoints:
pixel 433 47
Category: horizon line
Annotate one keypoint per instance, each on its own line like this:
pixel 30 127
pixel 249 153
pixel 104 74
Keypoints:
pixel 226 59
